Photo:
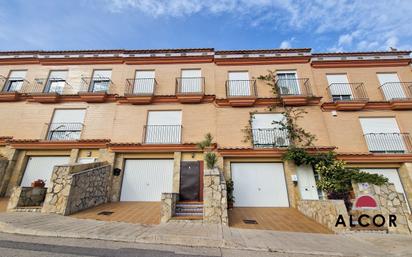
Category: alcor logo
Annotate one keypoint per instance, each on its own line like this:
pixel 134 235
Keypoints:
pixel 366 202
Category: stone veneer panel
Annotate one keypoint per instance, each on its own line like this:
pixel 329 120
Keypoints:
pixel 77 187
pixel 389 202
pixel 325 212
pixel 214 197
pixel 26 197
pixel 168 206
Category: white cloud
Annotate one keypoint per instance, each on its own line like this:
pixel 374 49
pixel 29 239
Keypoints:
pixel 285 44
pixel 362 24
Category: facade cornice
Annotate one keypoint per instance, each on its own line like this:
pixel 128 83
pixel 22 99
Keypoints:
pixel 29 144
pixel 144 148
pixel 374 158
pixel 206 55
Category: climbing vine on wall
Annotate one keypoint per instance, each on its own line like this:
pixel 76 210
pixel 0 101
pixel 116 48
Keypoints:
pixel 335 178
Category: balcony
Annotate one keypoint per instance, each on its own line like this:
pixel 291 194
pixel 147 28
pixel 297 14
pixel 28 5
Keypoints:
pixel 162 134
pixel 388 142
pixel 241 93
pixel 399 94
pixel 64 131
pixel 49 90
pixel 293 92
pixel 270 137
pixel 95 89
pixel 190 90
pixel 348 96
pixel 140 91
pixel 12 88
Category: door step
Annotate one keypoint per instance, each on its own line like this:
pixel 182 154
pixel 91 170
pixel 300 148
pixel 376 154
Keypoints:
pixel 189 210
pixel 28 209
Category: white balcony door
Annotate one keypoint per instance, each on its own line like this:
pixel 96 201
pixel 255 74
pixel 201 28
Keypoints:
pixel 15 80
pixel 339 87
pixel 288 83
pixel 239 84
pixel 307 183
pixel 57 81
pixel 163 127
pixel 191 81
pixel 101 80
pixel 266 132
pixel 382 134
pixel 391 86
pixel 144 82
pixel 66 124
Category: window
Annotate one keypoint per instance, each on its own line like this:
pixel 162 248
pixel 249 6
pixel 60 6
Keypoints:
pixel 288 83
pixel 382 135
pixel 15 81
pixel 391 86
pixel 239 83
pixel 100 81
pixel 339 87
pixel 67 124
pixel 163 127
pixel 191 81
pixel 144 82
pixel 266 133
pixel 56 82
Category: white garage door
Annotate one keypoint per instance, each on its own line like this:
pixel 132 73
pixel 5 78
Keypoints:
pixel 259 185
pixel 146 180
pixel 41 168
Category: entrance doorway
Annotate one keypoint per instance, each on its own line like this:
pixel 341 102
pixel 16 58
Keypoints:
pixel 191 188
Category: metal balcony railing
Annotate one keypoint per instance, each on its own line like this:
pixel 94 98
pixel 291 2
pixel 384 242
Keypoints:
pixel 51 85
pixel 241 88
pixel 64 131
pixel 190 85
pixel 96 85
pixel 162 134
pixel 347 92
pixel 270 138
pixel 396 90
pixel 142 86
pixel 13 84
pixel 388 142
pixel 293 87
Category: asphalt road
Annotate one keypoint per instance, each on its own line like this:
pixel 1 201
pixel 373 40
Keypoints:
pixel 24 246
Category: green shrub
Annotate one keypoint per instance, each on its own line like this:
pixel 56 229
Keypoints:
pixel 211 160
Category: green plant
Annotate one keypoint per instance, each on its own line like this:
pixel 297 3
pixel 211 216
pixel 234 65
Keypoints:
pixel 211 160
pixel 229 190
pixel 206 142
pixel 334 177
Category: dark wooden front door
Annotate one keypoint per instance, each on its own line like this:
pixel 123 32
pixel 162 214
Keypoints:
pixel 190 179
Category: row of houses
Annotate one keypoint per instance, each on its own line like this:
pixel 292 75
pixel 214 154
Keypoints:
pixel 143 111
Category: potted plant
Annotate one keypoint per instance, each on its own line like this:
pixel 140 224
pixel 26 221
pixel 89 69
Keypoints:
pixel 229 190
pixel 39 183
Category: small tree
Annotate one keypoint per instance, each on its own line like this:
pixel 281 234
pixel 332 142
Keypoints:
pixel 210 157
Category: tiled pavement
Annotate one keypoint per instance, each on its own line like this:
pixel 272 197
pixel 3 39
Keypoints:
pixel 130 212
pixel 206 235
pixel 278 219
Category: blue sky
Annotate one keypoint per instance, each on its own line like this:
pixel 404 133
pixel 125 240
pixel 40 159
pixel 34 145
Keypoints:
pixel 334 25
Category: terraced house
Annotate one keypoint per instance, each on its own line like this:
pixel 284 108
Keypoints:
pixel 135 116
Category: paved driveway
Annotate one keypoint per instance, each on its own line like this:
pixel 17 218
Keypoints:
pixel 130 212
pixel 279 219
